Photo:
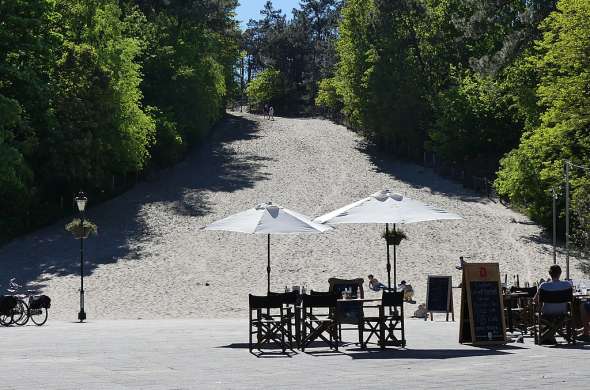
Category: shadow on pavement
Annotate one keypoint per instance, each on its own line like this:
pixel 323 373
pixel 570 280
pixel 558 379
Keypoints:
pixel 377 353
pixel 212 166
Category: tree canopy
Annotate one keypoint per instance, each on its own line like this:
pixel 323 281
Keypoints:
pixel 95 91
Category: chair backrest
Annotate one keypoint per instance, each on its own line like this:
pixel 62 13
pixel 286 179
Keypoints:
pixel 288 298
pixel 558 296
pixel 392 298
pixel 338 285
pixel 531 291
pixel 319 301
pixel 265 302
pixel 322 293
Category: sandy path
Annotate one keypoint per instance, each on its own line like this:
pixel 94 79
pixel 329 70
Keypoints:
pixel 150 259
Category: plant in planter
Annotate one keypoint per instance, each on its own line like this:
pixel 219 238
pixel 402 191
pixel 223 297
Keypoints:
pixel 394 237
pixel 78 231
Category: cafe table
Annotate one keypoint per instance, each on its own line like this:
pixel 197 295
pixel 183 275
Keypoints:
pixel 339 303
pixel 509 297
pixel 579 298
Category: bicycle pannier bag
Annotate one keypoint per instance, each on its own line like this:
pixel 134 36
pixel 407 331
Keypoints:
pixel 42 302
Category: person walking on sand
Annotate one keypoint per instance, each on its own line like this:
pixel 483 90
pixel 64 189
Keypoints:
pixel 265 110
pixel 271 113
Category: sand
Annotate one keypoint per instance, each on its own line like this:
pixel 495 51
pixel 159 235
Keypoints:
pixel 150 260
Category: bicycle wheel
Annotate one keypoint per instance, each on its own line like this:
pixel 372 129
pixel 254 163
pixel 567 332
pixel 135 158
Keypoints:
pixel 38 316
pixel 5 319
pixel 21 313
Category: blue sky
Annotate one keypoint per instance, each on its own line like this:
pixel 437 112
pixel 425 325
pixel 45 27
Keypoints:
pixel 250 9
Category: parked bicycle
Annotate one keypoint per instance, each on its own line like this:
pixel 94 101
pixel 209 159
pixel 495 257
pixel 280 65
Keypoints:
pixel 28 306
pixel 7 307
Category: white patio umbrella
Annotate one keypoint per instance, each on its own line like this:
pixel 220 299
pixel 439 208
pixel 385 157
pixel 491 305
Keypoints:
pixel 386 207
pixel 268 219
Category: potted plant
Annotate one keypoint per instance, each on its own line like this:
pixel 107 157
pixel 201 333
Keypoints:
pixel 394 237
pixel 75 227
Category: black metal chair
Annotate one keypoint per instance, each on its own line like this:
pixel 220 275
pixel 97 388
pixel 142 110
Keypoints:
pixel 318 323
pixel 349 312
pixel 269 323
pixel 548 325
pixel 389 322
pixel 290 300
pixel 521 308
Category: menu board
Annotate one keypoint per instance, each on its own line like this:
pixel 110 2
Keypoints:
pixel 487 312
pixel 438 294
pixel 482 311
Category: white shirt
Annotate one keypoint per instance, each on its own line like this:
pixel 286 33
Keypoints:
pixel 555 308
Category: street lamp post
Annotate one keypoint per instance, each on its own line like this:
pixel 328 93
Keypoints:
pixel 554 196
pixel 81 203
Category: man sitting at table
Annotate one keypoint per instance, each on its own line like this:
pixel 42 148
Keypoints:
pixel 585 310
pixel 374 284
pixel 553 309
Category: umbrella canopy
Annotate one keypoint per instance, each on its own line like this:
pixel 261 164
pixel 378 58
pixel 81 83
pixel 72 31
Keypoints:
pixel 386 207
pixel 268 218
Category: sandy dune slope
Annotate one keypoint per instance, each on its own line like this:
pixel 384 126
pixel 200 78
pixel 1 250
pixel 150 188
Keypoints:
pixel 150 260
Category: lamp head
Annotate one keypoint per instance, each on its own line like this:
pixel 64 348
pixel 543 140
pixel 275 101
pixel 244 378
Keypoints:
pixel 81 200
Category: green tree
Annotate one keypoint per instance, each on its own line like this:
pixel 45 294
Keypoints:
pixel 562 58
pixel 476 122
pixel 267 87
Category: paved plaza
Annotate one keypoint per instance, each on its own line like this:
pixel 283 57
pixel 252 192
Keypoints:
pixel 213 354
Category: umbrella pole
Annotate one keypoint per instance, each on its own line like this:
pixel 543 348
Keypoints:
pixel 394 264
pixel 388 263
pixel 268 265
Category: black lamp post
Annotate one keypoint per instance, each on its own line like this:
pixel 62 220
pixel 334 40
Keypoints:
pixel 81 203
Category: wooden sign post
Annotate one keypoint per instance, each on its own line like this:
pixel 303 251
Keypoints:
pixel 482 309
pixel 439 296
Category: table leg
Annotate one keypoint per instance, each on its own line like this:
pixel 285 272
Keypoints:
pixel 298 327
pixel 510 324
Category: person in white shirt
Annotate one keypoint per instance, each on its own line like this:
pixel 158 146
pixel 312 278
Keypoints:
pixel 553 309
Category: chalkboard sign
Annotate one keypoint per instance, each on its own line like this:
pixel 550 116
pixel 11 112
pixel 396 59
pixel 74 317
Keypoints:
pixel 482 311
pixel 438 294
pixel 487 312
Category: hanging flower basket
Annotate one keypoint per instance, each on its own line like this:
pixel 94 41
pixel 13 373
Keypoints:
pixel 78 231
pixel 394 237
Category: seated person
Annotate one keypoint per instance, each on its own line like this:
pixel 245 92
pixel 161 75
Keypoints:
pixel 407 290
pixel 553 309
pixel 374 284
pixel 585 311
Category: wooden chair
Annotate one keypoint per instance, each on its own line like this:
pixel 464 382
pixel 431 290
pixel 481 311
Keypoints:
pixel 523 313
pixel 349 312
pixel 289 301
pixel 319 321
pixel 389 322
pixel 269 322
pixel 561 324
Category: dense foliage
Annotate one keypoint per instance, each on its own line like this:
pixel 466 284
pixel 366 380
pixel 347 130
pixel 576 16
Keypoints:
pixel 301 49
pixel 530 172
pixel 93 91
pixel 267 88
pixel 473 83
